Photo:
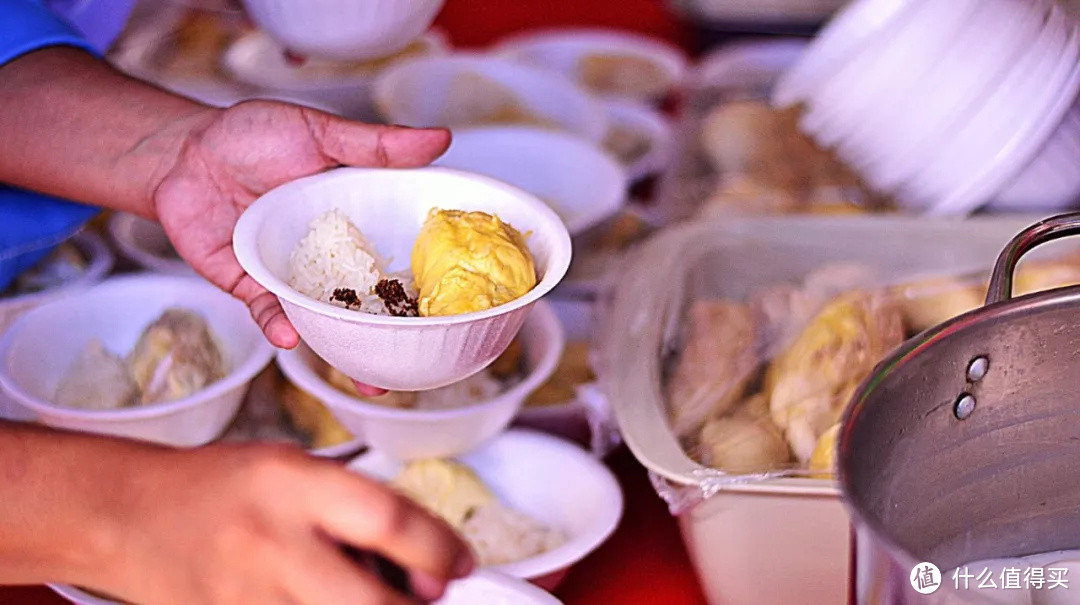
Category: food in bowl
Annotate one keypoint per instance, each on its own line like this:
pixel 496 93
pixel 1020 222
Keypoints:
pixel 474 99
pixel 318 68
pixel 176 356
pixel 573 371
pixel 765 165
pixel 622 74
pixel 62 265
pixel 462 262
pixel 474 389
pixel 627 144
pixel 497 533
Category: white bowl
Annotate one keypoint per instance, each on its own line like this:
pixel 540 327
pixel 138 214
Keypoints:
pixel 257 60
pixel 650 123
pixel 144 242
pixel 547 478
pixel 344 29
pixel 1051 180
pixel 389 206
pixel 561 50
pixel 38 348
pixel 494 588
pixel 99 263
pixel 410 434
pixel 582 183
pixel 415 93
pixel 482 586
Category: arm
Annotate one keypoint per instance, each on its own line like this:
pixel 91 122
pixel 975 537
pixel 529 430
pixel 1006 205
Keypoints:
pixel 222 524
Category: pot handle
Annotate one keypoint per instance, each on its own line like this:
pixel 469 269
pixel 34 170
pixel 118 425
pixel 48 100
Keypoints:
pixel 1048 230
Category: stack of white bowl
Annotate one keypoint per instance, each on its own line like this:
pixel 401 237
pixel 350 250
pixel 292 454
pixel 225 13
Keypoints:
pixel 947 106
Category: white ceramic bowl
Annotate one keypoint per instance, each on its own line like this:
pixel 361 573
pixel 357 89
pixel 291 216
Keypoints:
pixel 650 123
pixel 99 263
pixel 389 206
pixel 562 50
pixel 416 93
pixel 546 478
pixel 38 348
pixel 144 242
pixel 259 61
pixel 344 29
pixel 582 183
pixel 411 434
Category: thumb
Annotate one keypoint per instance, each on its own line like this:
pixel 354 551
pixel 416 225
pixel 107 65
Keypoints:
pixel 352 143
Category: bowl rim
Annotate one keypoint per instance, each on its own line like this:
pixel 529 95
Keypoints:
pixel 305 378
pixel 99 261
pixel 120 231
pixel 245 246
pixel 617 188
pixel 645 120
pixel 576 547
pixel 257 358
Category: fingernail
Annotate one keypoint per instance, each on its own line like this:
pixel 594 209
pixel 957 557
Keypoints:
pixel 426 587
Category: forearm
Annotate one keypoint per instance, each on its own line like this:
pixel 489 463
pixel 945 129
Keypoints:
pixel 62 499
pixel 72 126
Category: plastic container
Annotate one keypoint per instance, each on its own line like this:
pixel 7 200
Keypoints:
pixel 738 527
pixel 579 181
pixel 144 242
pixel 258 61
pixel 563 50
pixel 411 434
pixel 429 92
pixel 548 479
pixel 38 348
pixel 389 206
pixel 99 261
pixel 344 29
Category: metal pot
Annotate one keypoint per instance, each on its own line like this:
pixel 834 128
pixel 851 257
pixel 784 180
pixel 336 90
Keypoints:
pixel 964 445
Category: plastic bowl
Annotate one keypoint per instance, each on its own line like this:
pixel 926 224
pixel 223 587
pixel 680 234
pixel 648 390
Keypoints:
pixel 40 345
pixel 583 184
pixel 259 61
pixel 410 434
pixel 99 263
pixel 344 29
pixel 389 206
pixel 547 478
pixel 417 93
pixel 562 50
pixel 651 124
pixel 144 242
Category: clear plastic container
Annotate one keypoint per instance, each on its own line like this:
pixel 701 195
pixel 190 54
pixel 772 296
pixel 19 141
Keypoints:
pixel 777 536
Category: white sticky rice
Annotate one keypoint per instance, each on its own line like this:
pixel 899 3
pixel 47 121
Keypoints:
pixel 499 534
pixel 335 254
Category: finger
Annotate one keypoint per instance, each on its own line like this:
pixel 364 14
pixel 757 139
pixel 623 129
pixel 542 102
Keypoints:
pixel 366 390
pixel 267 312
pixel 366 514
pixel 323 575
pixel 357 144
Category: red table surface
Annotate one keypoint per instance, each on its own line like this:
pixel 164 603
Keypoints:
pixel 644 561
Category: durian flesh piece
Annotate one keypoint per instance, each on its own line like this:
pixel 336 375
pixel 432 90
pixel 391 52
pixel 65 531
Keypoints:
pixel 930 302
pixel 743 442
pixel 810 383
pixel 175 357
pixel 823 460
pixel 715 366
pixel 96 380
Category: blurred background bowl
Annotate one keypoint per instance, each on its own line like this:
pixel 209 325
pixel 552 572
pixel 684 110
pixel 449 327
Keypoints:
pixel 408 434
pixel 144 243
pixel 39 347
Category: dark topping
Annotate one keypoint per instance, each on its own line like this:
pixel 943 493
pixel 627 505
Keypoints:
pixel 347 296
pixel 398 302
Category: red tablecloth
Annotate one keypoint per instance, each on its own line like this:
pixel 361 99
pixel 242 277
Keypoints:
pixel 644 561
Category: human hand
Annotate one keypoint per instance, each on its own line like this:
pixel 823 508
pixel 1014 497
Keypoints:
pixel 232 156
pixel 262 524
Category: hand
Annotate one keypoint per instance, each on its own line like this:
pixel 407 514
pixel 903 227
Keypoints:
pixel 262 524
pixel 231 157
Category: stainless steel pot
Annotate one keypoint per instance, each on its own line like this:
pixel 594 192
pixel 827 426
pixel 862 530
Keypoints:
pixel 965 444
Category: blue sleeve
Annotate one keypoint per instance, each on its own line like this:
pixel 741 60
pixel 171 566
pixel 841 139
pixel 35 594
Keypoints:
pixel 27 25
pixel 31 225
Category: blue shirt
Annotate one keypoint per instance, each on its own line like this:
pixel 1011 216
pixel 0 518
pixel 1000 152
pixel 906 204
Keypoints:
pixel 31 224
